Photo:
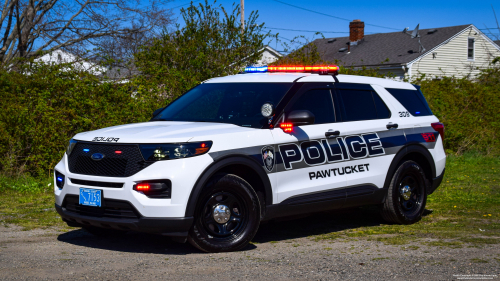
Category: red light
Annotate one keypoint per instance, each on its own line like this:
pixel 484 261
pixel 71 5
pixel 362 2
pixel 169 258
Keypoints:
pixel 438 126
pixel 118 152
pixel 429 137
pixel 203 145
pixel 142 186
pixel 324 68
pixel 287 127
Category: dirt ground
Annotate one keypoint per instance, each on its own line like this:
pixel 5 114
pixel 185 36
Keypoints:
pixel 281 251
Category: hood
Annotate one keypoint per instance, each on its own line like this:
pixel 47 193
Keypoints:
pixel 159 132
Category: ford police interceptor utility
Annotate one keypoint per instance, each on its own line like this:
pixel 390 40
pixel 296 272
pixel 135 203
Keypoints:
pixel 237 150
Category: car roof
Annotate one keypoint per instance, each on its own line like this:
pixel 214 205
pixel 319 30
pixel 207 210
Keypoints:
pixel 308 77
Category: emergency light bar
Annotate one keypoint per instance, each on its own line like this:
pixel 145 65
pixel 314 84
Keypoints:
pixel 324 69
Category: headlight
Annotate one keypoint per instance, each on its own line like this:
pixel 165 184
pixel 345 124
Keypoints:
pixel 71 145
pixel 169 151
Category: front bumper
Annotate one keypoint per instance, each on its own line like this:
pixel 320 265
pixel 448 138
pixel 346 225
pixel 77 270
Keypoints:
pixel 182 174
pixel 163 226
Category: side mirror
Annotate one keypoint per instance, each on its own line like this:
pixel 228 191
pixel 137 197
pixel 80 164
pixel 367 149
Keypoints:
pixel 300 117
pixel 156 112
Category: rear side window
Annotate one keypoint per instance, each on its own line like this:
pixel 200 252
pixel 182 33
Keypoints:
pixel 319 102
pixel 412 100
pixel 362 105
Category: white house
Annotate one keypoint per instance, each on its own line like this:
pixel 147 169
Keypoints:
pixel 446 51
pixel 60 56
pixel 269 55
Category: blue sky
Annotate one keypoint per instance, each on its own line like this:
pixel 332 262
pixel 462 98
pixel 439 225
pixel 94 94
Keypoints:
pixel 395 15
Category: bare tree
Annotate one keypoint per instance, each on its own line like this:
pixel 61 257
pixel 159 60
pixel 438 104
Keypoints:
pixel 28 27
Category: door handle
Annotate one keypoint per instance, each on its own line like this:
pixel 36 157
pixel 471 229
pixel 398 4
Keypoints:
pixel 332 133
pixel 392 126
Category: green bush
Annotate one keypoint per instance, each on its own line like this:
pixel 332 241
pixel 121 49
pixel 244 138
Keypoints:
pixel 47 105
pixel 469 110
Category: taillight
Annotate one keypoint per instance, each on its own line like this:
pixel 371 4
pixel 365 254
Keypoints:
pixel 287 127
pixel 438 126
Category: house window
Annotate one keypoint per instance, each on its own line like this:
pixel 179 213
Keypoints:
pixel 470 49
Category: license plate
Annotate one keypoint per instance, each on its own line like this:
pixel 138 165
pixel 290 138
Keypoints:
pixel 90 197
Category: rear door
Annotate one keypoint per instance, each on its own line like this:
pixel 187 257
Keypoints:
pixel 369 135
pixel 306 159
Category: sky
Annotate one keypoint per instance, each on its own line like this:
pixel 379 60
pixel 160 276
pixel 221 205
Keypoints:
pixel 379 16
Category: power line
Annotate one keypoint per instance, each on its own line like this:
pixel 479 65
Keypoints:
pixel 319 13
pixel 185 4
pixel 304 30
pixel 299 30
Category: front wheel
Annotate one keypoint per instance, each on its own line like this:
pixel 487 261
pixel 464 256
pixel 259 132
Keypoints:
pixel 227 215
pixel 406 196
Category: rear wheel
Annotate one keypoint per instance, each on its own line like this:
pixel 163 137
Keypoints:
pixel 406 197
pixel 227 216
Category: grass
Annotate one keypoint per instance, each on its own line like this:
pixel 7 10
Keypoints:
pixel 464 210
pixel 29 203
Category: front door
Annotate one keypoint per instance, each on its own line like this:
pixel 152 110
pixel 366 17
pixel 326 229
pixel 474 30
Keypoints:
pixel 306 159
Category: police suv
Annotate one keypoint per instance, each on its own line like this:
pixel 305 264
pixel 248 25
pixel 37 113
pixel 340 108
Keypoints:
pixel 241 149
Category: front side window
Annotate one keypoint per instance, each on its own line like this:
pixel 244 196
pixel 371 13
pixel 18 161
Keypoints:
pixel 233 103
pixel 470 49
pixel 319 102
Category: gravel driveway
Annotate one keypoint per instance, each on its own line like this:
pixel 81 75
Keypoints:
pixel 279 252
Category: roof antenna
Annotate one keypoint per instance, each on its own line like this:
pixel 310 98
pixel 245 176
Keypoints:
pixel 415 34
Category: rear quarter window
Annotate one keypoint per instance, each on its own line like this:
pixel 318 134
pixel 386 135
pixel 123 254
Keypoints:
pixel 412 100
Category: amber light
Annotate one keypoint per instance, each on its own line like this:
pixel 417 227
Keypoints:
pixel 202 149
pixel 142 186
pixel 324 68
pixel 287 127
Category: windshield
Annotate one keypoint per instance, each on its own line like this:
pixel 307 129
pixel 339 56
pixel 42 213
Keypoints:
pixel 234 103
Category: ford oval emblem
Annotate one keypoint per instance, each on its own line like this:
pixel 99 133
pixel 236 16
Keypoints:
pixel 97 156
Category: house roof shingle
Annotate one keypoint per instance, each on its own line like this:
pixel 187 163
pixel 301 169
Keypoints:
pixel 393 48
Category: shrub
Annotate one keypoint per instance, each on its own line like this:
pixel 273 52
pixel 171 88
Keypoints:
pixel 48 104
pixel 469 110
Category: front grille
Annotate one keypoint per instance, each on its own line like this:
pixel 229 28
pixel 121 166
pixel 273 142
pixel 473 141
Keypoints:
pixel 125 164
pixel 109 208
pixel 98 183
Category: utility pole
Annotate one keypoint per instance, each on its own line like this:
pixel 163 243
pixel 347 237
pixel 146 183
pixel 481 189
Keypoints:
pixel 242 8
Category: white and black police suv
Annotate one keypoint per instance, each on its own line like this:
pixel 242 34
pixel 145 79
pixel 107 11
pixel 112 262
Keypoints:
pixel 237 150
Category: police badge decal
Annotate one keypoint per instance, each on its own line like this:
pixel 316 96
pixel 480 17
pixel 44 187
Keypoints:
pixel 268 157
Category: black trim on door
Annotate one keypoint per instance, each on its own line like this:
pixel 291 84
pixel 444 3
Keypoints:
pixel 359 195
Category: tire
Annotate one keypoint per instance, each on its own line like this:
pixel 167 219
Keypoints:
pixel 103 232
pixel 406 196
pixel 233 202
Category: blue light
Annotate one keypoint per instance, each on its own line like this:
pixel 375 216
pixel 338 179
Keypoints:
pixel 59 179
pixel 256 69
pixel 86 150
pixel 418 112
